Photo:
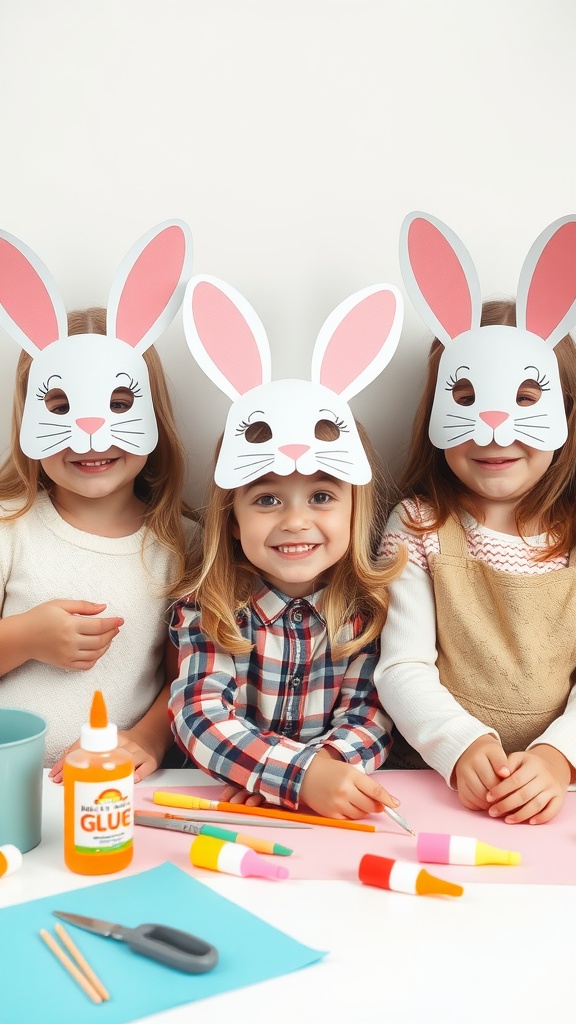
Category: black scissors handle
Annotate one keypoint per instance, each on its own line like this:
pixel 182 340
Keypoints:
pixel 170 946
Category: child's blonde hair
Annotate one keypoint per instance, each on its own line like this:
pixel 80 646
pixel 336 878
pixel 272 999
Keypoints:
pixel 551 502
pixel 159 484
pixel 222 581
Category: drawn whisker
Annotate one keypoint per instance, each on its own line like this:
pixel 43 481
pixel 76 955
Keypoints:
pixel 55 445
pixel 120 430
pixel 536 426
pixel 541 416
pixel 455 416
pixel 326 458
pixel 465 433
pixel 263 455
pixel 329 465
pixel 125 440
pixel 137 420
pixel 526 434
pixel 249 476
pixel 254 466
pixel 55 433
pixel 62 426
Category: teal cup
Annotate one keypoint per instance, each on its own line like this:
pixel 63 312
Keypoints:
pixel 22 738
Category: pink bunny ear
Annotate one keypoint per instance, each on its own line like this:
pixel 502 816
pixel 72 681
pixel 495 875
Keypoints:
pixel 31 309
pixel 149 284
pixel 225 336
pixel 546 302
pixel 439 276
pixel 358 340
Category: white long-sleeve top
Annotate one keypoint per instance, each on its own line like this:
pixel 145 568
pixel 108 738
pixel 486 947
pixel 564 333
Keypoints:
pixel 406 677
pixel 44 558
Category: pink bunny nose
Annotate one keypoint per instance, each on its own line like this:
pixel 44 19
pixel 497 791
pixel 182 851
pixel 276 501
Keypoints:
pixel 493 419
pixel 294 451
pixel 90 423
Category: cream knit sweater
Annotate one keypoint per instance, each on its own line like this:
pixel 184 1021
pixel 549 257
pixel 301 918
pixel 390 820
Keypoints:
pixel 43 558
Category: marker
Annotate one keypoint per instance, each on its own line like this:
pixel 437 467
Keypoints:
pixel 10 859
pixel 441 848
pixel 232 858
pixel 196 828
pixel 400 876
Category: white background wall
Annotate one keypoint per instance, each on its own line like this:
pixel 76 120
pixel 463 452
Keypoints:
pixel 293 136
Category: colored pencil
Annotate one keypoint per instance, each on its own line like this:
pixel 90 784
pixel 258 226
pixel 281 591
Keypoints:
pixel 198 803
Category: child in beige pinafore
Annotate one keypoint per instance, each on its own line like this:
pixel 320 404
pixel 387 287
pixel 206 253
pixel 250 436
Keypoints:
pixel 479 648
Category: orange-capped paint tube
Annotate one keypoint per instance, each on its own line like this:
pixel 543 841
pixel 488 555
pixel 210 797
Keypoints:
pixel 441 848
pixel 401 876
pixel 233 859
pixel 10 859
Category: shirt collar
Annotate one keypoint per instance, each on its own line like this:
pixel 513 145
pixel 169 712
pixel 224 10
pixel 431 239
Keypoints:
pixel 270 604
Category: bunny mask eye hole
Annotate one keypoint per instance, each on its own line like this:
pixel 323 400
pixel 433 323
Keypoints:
pixel 463 392
pixel 255 433
pixel 530 391
pixel 56 401
pixel 327 430
pixel 121 400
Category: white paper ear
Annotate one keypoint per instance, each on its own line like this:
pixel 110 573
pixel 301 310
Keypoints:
pixel 225 336
pixel 358 340
pixel 288 426
pixel 439 276
pixel 148 286
pixel 546 301
pixel 31 309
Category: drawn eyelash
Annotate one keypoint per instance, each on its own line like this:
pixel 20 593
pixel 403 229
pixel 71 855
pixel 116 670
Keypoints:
pixel 133 386
pixel 42 392
pixel 242 428
pixel 342 426
pixel 543 382
pixel 452 380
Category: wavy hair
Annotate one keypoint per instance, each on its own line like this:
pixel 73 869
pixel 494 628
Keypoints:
pixel 551 502
pixel 222 580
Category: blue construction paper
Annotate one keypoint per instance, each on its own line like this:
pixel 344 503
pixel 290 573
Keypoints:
pixel 35 986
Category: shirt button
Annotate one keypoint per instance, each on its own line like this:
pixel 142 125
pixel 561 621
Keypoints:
pixel 295 682
pixel 297 616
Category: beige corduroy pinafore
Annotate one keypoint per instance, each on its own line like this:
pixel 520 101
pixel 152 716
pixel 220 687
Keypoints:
pixel 506 641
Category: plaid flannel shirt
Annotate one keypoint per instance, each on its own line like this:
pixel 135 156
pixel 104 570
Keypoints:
pixel 256 720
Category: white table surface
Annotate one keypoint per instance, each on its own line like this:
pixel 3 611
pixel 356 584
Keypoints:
pixel 501 954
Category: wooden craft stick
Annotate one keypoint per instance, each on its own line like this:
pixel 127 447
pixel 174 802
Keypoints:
pixel 81 960
pixel 70 967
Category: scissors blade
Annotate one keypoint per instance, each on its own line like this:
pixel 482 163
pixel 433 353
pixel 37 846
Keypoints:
pixel 92 924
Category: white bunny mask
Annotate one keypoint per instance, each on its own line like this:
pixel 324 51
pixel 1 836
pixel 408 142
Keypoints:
pixel 271 425
pixel 442 283
pixel 145 295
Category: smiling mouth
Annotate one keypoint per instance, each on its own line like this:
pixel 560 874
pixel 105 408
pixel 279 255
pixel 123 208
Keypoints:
pixel 295 549
pixel 93 463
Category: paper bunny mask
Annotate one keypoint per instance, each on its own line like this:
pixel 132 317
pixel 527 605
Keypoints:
pixel 69 400
pixel 494 361
pixel 271 425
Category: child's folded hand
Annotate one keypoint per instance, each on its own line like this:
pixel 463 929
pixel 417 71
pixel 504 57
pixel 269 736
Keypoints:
pixel 535 790
pixel 482 765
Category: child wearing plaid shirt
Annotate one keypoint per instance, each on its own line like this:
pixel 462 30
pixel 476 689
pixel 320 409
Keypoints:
pixel 278 639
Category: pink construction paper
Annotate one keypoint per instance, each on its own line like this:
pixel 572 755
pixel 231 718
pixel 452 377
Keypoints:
pixel 548 851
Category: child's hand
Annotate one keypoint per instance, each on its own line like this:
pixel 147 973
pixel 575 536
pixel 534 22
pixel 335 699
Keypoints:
pixel 67 635
pixel 235 795
pixel 336 789
pixel 535 790
pixel 482 765
pixel 145 761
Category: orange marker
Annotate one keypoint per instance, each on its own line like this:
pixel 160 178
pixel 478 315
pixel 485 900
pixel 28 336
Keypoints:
pixel 401 876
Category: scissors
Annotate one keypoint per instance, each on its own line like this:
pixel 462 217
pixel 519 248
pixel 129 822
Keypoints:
pixel 159 942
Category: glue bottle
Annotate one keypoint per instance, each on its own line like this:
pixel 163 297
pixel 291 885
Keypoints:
pixel 98 798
